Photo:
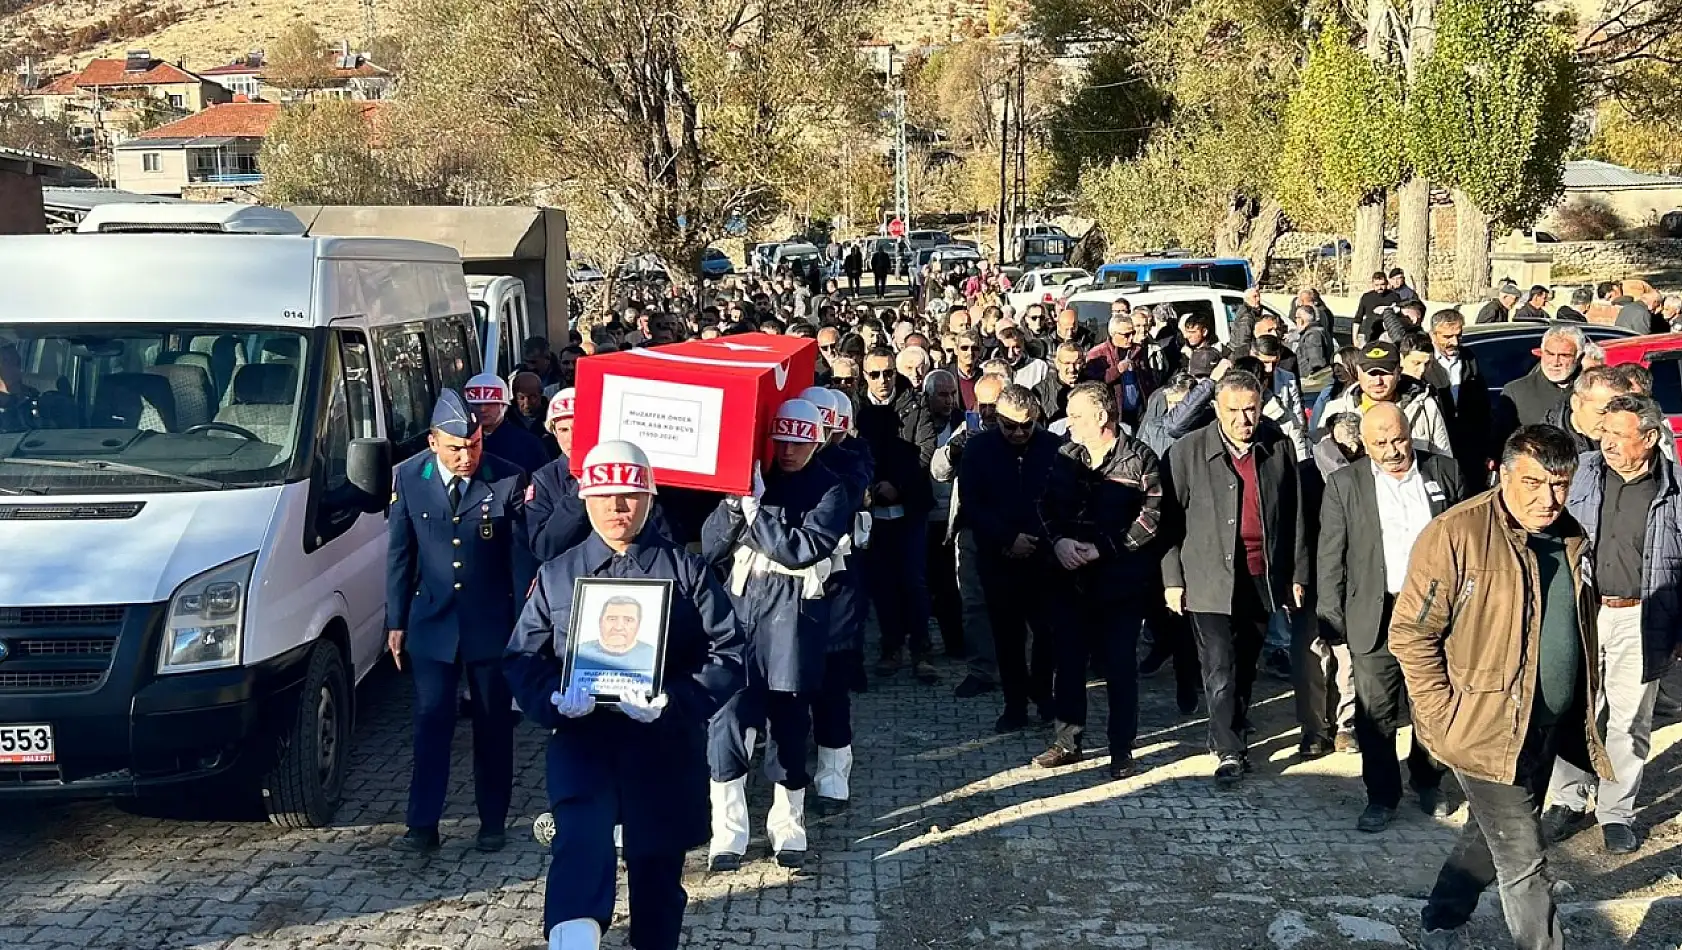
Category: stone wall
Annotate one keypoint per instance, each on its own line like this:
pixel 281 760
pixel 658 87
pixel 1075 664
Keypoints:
pixel 1605 260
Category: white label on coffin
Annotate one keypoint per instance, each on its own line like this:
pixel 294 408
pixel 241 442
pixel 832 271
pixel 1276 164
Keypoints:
pixel 676 424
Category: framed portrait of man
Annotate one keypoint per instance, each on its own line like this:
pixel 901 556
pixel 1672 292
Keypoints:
pixel 616 641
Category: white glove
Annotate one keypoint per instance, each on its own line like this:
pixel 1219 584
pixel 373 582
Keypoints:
pixel 750 503
pixel 758 484
pixel 573 703
pixel 637 705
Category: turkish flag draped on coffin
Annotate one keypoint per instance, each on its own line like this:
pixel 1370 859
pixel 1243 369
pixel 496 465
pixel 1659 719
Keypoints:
pixel 701 409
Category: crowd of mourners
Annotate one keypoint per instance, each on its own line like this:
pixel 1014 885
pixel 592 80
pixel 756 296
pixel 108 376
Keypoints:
pixel 1049 501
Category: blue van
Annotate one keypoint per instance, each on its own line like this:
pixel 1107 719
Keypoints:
pixel 1221 273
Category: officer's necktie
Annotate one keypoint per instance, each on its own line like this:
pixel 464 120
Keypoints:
pixel 455 494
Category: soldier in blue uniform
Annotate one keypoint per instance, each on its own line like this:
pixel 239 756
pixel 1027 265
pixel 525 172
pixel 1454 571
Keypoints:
pixel 640 763
pixel 777 547
pixel 507 440
pixel 555 519
pixel 849 458
pixel 457 570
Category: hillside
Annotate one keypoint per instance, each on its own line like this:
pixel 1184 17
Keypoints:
pixel 205 33
pixel 209 33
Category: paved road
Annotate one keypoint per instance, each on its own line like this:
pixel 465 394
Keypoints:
pixel 952 842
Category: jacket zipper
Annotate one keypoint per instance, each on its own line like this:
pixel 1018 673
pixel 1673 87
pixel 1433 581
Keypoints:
pixel 1430 599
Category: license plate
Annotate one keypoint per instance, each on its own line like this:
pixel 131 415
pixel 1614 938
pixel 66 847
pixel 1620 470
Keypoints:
pixel 27 745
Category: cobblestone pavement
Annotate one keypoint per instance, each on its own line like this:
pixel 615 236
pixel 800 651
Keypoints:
pixel 952 841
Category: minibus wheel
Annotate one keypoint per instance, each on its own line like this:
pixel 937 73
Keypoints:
pixel 305 785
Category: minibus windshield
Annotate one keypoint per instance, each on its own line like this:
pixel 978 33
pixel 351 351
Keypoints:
pixel 91 409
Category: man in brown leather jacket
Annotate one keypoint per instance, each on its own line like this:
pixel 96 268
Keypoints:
pixel 1493 629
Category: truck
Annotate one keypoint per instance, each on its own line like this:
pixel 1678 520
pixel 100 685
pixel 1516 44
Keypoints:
pixel 526 242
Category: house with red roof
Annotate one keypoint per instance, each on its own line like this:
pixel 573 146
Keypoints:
pixel 109 100
pixel 345 74
pixel 214 148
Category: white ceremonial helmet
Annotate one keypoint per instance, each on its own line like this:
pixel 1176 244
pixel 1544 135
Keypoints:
pixel 616 468
pixel 484 389
pixel 797 421
pixel 821 397
pixel 561 405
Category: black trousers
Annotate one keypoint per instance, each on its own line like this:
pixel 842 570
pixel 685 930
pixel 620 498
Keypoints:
pixel 1019 602
pixel 1173 636
pixel 947 606
pixel 896 571
pixel 1381 709
pixel 1089 624
pixel 787 721
pixel 853 284
pixel 1229 646
pixel 832 704
pixel 881 284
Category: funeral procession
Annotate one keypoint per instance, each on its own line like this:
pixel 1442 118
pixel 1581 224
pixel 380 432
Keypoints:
pixel 975 475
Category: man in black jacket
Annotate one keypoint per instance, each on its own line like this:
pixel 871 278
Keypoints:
pixel 1463 397
pixel 1004 474
pixel 1500 307
pixel 1052 391
pixel 896 561
pixel 1368 311
pixel 1369 518
pixel 1527 400
pixel 1242 553
pixel 887 393
pixel 1102 512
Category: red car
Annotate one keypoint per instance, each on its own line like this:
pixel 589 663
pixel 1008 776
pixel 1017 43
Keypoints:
pixel 1661 353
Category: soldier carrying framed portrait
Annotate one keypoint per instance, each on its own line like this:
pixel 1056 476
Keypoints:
pixel 616 636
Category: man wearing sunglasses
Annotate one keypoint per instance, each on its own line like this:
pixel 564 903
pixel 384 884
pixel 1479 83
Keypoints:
pixel 1003 477
pixel 1378 379
pixel 965 350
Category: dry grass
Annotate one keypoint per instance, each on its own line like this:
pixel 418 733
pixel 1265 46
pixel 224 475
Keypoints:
pixel 210 33
pixel 214 32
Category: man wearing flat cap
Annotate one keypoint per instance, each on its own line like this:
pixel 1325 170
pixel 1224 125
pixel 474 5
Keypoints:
pixel 457 571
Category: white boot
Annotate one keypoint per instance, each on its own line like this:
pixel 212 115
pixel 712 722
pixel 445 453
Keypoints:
pixel 582 933
pixel 786 825
pixel 730 824
pixel 835 767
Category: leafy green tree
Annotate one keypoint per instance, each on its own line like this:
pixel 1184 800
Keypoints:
pixel 1106 118
pixel 322 153
pixel 1491 115
pixel 1344 142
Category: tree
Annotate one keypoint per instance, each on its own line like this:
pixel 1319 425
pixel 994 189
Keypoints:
pixel 23 129
pixel 297 62
pixel 670 116
pixel 1491 116
pixel 1107 117
pixel 1344 145
pixel 322 153
pixel 1649 142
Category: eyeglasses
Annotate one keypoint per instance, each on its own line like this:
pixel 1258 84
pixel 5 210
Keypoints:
pixel 879 373
pixel 965 348
pixel 1010 425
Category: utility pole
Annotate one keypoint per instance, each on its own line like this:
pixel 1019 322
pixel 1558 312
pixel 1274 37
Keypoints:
pixel 902 166
pixel 1004 153
pixel 1019 187
pixel 368 24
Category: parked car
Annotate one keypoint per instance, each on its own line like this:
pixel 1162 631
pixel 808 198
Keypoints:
pixel 1662 354
pixel 716 263
pixel 1224 273
pixel 1506 351
pixel 584 272
pixel 1092 307
pixel 945 256
pixel 918 240
pixel 1039 286
pixel 797 256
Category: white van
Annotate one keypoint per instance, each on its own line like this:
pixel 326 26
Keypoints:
pixel 196 441
pixel 500 315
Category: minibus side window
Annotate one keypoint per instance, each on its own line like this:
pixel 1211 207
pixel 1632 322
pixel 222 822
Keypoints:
pixel 406 374
pixel 450 353
pixel 347 413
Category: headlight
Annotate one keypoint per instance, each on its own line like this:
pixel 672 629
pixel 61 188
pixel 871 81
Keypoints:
pixel 207 619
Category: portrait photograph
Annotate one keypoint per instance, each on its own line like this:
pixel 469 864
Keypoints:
pixel 617 638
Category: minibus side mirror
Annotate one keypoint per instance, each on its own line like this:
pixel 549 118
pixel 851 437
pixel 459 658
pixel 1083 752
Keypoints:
pixel 368 466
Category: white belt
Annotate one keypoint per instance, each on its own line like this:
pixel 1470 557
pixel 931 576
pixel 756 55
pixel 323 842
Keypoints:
pixel 861 530
pixel 745 561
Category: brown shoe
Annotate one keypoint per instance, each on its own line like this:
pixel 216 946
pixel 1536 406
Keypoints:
pixel 1056 757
